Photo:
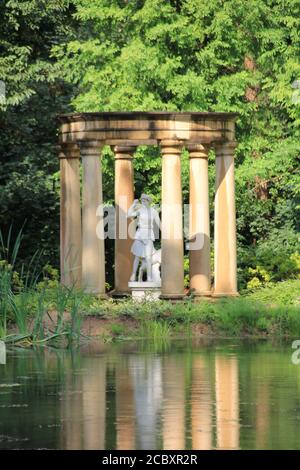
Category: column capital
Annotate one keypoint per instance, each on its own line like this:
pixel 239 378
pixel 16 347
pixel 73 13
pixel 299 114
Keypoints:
pixel 68 150
pixel 123 152
pixel 90 148
pixel 224 149
pixel 172 147
pixel 198 150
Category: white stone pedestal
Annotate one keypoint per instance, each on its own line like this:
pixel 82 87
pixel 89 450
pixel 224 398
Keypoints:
pixel 142 291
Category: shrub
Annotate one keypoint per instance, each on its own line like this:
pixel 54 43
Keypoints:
pixel 274 259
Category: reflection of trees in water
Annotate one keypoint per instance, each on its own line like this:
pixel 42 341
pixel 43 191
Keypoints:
pixel 29 412
pixel 262 415
pixel 270 400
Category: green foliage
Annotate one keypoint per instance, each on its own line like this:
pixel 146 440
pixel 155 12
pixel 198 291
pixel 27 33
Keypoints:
pixel 273 259
pixel 186 265
pixel 50 278
pixel 279 293
pixel 13 277
pixel 259 277
pixel 187 55
pixel 29 29
pixel 35 93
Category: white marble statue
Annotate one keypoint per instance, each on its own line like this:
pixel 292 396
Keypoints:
pixel 142 247
pixel 156 262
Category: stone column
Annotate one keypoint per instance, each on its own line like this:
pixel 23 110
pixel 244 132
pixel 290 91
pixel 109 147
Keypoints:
pixel 199 233
pixel 225 226
pixel 93 255
pixel 124 194
pixel 171 222
pixel 70 216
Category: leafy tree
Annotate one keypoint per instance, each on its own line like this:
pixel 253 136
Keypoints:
pixel 35 93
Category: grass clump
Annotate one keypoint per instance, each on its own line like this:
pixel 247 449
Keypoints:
pixel 25 301
pixel 155 329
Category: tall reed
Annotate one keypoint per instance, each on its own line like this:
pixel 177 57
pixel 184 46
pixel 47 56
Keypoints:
pixel 16 289
pixel 155 329
pixel 62 297
pixel 76 318
pixel 4 301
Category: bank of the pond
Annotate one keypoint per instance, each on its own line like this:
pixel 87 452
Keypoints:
pixel 272 311
pixel 56 314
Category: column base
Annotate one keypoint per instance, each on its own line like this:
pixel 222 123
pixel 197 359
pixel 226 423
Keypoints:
pixel 207 293
pixel 225 294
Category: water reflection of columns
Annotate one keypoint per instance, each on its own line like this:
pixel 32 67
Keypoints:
pixel 94 405
pixel 201 404
pixel 125 408
pixel 147 379
pixel 227 402
pixel 84 407
pixel 173 404
pixel 71 416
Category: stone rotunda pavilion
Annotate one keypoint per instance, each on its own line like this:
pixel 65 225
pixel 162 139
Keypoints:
pixel 82 137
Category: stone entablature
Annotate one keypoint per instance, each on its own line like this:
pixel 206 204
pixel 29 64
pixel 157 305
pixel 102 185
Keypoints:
pixel 149 128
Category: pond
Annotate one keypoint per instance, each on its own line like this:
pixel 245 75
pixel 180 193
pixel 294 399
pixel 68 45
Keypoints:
pixel 183 394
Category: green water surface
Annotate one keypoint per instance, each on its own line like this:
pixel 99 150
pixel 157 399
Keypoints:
pixel 184 394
